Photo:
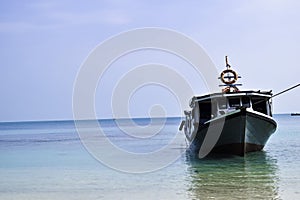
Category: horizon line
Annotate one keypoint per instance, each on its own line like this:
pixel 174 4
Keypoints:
pixel 104 119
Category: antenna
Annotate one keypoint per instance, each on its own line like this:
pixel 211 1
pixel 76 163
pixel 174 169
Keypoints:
pixel 227 64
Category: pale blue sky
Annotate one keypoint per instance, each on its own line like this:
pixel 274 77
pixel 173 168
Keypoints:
pixel 43 44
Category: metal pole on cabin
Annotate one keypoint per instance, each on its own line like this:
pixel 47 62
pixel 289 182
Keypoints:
pixel 279 93
pixel 286 90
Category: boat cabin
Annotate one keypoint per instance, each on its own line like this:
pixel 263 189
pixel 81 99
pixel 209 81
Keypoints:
pixel 218 104
pixel 207 107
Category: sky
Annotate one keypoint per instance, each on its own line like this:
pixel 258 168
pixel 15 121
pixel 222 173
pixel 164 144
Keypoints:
pixel 44 44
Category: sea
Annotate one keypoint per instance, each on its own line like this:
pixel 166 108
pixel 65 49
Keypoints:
pixel 49 160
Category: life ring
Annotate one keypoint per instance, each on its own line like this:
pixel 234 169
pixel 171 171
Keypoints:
pixel 228 82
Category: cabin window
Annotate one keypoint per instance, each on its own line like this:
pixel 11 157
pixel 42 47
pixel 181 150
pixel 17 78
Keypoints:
pixel 246 102
pixel 222 103
pixel 259 105
pixel 205 111
pixel 234 102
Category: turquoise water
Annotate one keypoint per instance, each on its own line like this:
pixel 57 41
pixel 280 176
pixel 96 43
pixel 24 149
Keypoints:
pixel 46 160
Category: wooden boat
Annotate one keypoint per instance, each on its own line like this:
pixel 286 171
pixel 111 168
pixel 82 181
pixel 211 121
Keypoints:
pixel 231 121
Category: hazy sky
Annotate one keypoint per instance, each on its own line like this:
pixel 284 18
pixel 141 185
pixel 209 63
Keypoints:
pixel 44 43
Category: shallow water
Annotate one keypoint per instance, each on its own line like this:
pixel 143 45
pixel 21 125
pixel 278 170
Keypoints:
pixel 46 160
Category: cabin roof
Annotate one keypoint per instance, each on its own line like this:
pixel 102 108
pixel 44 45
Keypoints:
pixel 267 94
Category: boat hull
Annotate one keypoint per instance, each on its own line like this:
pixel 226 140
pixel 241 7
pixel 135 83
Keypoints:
pixel 243 131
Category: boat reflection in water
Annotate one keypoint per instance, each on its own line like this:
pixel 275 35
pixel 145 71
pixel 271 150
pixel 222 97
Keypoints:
pixel 254 176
